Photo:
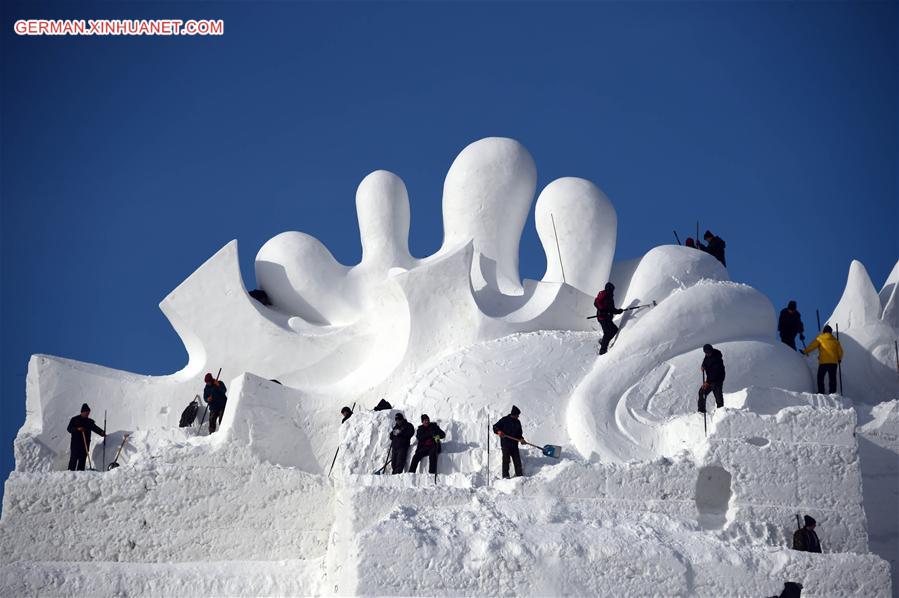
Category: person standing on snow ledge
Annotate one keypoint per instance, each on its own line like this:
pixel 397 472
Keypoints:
pixel 830 353
pixel 400 437
pixel 215 397
pixel 789 325
pixel 605 311
pixel 714 247
pixel 713 367
pixel 80 427
pixel 428 436
pixel 805 539
pixel 508 428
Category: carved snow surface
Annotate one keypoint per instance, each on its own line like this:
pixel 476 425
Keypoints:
pixel 283 499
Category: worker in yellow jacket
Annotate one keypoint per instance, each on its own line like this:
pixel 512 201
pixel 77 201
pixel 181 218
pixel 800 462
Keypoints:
pixel 830 353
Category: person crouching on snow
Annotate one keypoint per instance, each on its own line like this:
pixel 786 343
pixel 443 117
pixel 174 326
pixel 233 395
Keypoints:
pixel 215 397
pixel 428 436
pixel 80 427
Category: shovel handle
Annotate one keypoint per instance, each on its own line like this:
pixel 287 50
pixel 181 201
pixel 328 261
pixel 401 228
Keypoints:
pixel 524 442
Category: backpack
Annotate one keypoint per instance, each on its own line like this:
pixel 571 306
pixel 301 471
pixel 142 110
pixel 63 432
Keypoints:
pixel 189 414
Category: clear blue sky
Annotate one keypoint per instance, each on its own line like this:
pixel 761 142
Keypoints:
pixel 126 162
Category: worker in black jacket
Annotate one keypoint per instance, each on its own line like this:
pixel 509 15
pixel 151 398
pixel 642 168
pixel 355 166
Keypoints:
pixel 714 246
pixel 713 367
pixel 215 397
pixel 428 436
pixel 805 539
pixel 789 325
pixel 508 428
pixel 80 427
pixel 400 437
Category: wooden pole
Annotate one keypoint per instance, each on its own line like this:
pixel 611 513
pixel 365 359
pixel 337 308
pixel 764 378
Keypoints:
pixel 839 363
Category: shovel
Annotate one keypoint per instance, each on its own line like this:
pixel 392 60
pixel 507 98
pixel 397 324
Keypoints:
pixel 549 450
pixel 115 462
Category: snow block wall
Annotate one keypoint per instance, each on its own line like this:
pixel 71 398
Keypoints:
pixel 284 499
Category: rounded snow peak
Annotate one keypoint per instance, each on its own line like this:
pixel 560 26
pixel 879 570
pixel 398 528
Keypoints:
pixel 487 195
pixel 577 226
pixel 382 206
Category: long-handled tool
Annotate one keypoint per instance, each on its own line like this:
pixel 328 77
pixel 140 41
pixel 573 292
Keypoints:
pixel 896 345
pixel 653 304
pixel 87 452
pixel 202 419
pixel 549 450
pixel 115 462
pixel 839 362
pixel 677 238
pixel 104 440
pixel 334 460
pixel 705 401
pixel 383 468
pixel 489 430
pixel 798 521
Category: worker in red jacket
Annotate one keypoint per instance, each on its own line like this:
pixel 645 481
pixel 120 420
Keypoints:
pixel 605 311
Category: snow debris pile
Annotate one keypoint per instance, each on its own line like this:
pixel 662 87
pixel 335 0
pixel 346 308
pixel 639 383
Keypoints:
pixel 649 497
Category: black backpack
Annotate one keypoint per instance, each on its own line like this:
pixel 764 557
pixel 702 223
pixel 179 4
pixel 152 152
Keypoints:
pixel 189 414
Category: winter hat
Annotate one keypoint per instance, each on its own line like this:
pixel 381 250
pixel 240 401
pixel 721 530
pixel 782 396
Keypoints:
pixel 346 410
pixel 827 329
pixel 610 286
pixel 791 305
pixel 85 407
pixel 708 235
pixel 424 416
pixel 515 410
pixel 399 416
pixel 208 379
pixel 809 520
pixel 707 347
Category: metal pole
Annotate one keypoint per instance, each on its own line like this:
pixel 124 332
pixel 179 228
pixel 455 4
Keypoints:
pixel 818 317
pixel 488 449
pixel 557 246
pixel 896 344
pixel 676 237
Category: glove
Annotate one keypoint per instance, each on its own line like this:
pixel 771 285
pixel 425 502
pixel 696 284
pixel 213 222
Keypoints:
pixel 619 311
pixel 521 441
pixel 705 385
pixel 437 439
pixel 500 434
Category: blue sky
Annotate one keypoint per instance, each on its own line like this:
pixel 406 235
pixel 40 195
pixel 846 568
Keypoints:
pixel 126 162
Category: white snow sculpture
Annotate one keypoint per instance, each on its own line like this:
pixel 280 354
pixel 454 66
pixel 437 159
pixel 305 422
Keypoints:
pixel 868 335
pixel 573 216
pixel 486 198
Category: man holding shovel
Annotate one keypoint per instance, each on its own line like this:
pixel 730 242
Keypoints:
pixel 80 427
pixel 508 428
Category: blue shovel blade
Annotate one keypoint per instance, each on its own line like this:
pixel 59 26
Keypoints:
pixel 551 450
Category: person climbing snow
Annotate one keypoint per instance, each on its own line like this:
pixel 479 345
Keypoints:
pixel 347 413
pixel 830 354
pixel 789 325
pixel 215 397
pixel 805 539
pixel 400 437
pixel 714 246
pixel 605 311
pixel 428 436
pixel 80 427
pixel 713 367
pixel 509 428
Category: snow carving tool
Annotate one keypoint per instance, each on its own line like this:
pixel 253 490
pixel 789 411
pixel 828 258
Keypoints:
pixel 896 345
pixel 488 448
pixel 202 419
pixel 383 468
pixel 353 408
pixel 115 462
pixel 104 440
pixel 798 521
pixel 677 238
pixel 840 362
pixel 87 452
pixel 705 402
pixel 653 304
pixel 549 450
